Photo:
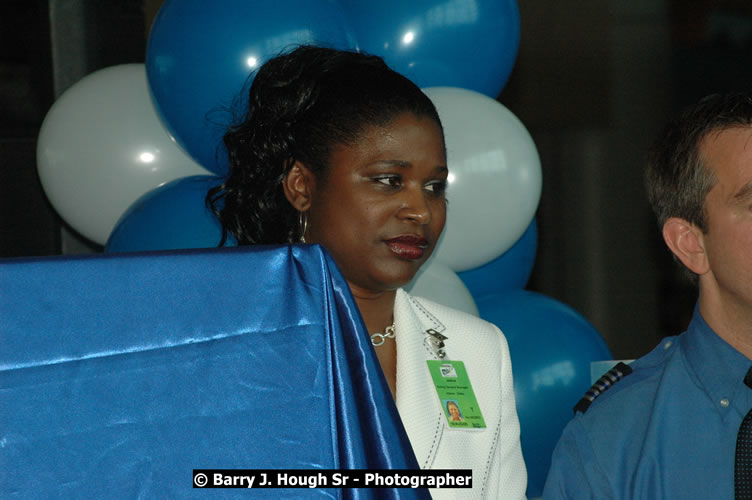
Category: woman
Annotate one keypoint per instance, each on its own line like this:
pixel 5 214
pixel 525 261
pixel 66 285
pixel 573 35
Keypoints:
pixel 454 411
pixel 338 149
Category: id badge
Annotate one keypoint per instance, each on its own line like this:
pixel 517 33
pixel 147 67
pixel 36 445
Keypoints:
pixel 456 394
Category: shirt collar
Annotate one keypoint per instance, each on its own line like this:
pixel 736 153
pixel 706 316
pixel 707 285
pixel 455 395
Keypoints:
pixel 719 368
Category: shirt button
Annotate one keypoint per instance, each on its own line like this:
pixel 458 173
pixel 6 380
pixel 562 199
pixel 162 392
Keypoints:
pixel 667 344
pixel 724 402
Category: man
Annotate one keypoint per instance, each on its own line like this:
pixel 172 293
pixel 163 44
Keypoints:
pixel 668 429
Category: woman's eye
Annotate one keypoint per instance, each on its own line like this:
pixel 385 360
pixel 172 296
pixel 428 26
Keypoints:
pixel 389 180
pixel 436 187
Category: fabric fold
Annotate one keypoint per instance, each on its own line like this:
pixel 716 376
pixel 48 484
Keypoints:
pixel 122 373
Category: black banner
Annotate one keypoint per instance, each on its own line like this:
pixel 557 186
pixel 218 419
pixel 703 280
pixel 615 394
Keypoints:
pixel 319 478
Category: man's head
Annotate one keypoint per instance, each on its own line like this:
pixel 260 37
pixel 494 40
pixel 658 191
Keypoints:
pixel 683 170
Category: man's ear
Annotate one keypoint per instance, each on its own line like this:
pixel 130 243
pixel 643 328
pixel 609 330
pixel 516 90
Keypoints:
pixel 299 185
pixel 686 241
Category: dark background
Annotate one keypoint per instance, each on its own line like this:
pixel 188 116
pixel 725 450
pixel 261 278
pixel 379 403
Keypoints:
pixel 594 82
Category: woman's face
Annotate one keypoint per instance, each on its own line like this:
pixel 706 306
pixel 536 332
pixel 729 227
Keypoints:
pixel 380 207
pixel 454 411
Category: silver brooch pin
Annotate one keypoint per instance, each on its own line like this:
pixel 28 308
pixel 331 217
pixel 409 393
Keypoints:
pixel 436 340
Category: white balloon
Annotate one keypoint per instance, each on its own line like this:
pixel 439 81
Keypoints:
pixel 435 281
pixel 102 146
pixel 494 177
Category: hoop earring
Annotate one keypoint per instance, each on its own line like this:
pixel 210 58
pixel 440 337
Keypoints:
pixel 302 225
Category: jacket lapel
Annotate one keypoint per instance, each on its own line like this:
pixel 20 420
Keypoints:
pixel 421 414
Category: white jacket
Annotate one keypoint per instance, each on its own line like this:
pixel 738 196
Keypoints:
pixel 494 453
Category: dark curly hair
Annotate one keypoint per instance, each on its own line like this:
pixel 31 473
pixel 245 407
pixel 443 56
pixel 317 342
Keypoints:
pixel 300 105
pixel 676 178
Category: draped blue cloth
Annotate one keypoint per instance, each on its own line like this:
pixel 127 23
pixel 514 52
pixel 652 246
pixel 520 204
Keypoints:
pixel 120 374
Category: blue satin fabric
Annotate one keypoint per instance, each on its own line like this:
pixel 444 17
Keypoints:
pixel 119 374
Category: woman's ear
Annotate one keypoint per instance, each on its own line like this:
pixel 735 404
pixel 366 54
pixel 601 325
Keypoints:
pixel 686 242
pixel 299 185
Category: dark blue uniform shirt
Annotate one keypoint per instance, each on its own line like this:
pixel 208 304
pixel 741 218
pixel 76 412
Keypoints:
pixel 667 431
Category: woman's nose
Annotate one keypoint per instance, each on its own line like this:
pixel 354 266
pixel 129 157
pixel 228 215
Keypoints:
pixel 415 206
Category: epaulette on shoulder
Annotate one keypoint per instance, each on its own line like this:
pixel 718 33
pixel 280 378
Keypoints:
pixel 603 384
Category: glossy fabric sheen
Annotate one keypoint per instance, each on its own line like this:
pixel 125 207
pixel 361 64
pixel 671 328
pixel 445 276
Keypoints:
pixel 119 374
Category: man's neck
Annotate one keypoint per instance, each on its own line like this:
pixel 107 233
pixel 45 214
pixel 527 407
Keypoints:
pixel 729 319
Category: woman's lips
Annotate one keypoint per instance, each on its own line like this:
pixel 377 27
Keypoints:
pixel 408 246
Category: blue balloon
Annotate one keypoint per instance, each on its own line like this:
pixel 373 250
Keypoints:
pixel 552 347
pixel 200 54
pixel 510 270
pixel 468 44
pixel 170 217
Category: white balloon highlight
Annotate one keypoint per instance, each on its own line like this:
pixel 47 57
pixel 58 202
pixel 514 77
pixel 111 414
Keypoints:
pixel 102 146
pixel 495 177
pixel 435 281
